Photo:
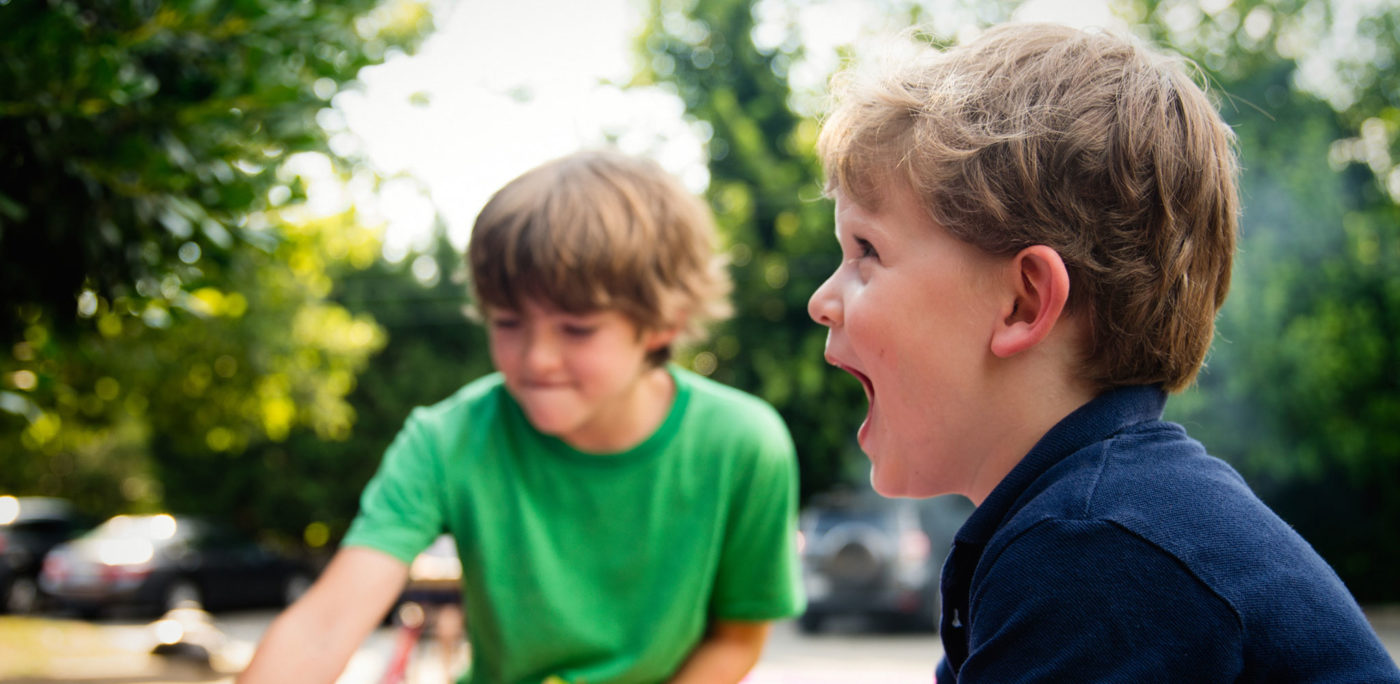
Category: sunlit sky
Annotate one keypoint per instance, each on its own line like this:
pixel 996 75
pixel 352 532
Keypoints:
pixel 503 86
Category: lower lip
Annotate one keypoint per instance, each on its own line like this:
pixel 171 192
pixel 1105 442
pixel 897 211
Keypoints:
pixel 542 383
pixel 863 434
pixel 543 387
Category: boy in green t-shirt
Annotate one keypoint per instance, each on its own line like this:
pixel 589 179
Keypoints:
pixel 619 519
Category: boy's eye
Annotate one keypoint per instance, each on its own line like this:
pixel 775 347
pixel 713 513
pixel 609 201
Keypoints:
pixel 505 323
pixel 866 249
pixel 579 330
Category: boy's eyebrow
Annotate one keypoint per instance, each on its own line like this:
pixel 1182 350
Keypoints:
pixel 842 236
pixel 857 223
pixel 847 220
pixel 577 315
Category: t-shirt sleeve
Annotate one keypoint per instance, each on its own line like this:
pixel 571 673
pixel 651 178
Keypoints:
pixel 759 577
pixel 1086 600
pixel 401 509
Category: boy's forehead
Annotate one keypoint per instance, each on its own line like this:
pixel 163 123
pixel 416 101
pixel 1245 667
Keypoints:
pixel 850 213
pixel 538 305
pixel 865 212
pixel 545 309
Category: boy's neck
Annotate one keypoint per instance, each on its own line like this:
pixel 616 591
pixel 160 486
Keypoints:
pixel 634 420
pixel 1033 400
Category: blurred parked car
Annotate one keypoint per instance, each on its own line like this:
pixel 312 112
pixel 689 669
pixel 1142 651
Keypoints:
pixel 863 554
pixel 162 562
pixel 434 579
pixel 431 602
pixel 29 527
pixel 435 576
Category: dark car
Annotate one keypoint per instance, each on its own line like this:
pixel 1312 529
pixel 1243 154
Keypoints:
pixel 162 562
pixel 863 554
pixel 29 527
pixel 434 581
pixel 435 576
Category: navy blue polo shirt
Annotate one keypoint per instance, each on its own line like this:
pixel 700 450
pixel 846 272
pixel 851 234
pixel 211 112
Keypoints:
pixel 1117 550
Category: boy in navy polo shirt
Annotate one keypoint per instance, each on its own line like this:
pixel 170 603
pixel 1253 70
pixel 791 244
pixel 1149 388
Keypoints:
pixel 1037 230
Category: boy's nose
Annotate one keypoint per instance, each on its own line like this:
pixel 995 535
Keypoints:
pixel 825 306
pixel 541 354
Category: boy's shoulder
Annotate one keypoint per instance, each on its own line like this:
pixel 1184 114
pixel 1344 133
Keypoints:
pixel 1114 456
pixel 1150 478
pixel 710 404
pixel 1144 519
pixel 472 400
pixel 713 400
pixel 720 413
pixel 711 390
pixel 1141 474
pixel 1155 483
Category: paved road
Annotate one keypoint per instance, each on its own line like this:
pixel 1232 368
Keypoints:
pixel 846 654
pixel 843 654
pixel 115 651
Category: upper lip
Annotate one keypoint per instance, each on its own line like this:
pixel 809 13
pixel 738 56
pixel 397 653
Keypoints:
pixel 542 383
pixel 864 380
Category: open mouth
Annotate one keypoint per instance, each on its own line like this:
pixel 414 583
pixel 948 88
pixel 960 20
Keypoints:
pixel 863 434
pixel 864 381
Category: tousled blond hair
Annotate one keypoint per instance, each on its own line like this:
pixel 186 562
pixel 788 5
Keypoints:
pixel 1089 143
pixel 599 230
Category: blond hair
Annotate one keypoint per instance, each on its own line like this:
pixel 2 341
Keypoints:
pixel 600 230
pixel 1086 142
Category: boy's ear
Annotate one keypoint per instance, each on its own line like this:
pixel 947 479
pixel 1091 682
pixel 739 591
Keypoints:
pixel 1040 288
pixel 656 339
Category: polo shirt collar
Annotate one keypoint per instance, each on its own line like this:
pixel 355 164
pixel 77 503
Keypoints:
pixel 1095 421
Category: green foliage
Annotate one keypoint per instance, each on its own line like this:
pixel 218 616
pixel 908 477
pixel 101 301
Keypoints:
pixel 432 350
pixel 1302 391
pixel 133 130
pixel 766 190
pixel 127 409
pixel 307 486
pixel 176 332
pixel 1303 388
pixel 164 314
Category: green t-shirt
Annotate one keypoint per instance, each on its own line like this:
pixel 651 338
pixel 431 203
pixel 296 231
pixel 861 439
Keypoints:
pixel 595 568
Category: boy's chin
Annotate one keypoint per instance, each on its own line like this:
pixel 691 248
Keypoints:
pixel 892 483
pixel 889 486
pixel 553 423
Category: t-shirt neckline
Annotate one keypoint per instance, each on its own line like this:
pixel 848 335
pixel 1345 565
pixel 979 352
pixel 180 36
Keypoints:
pixel 653 444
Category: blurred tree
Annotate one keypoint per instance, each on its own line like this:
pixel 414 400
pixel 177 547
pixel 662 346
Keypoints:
pixel 766 190
pixel 1303 387
pixel 133 412
pixel 163 288
pixel 432 349
pixel 135 132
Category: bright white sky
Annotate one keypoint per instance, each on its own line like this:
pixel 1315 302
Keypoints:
pixel 502 86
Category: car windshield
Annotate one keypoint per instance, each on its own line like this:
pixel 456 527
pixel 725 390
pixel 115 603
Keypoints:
pixel 152 528
pixel 135 539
